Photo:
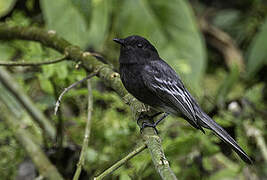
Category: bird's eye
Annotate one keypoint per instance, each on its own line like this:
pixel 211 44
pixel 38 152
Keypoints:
pixel 139 45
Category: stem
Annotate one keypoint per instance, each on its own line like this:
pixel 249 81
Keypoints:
pixel 257 135
pixel 87 132
pixel 121 162
pixel 69 88
pixel 26 102
pixel 3 63
pixel 39 158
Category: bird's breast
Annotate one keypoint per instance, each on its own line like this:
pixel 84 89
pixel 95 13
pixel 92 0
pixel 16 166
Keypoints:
pixel 131 76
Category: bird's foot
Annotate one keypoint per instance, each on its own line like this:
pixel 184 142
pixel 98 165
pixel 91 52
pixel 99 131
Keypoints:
pixel 150 122
pixel 147 124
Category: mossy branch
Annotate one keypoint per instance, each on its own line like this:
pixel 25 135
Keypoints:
pixel 26 102
pixel 39 158
pixel 153 143
pixel 109 77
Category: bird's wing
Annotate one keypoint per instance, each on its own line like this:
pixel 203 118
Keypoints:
pixel 165 84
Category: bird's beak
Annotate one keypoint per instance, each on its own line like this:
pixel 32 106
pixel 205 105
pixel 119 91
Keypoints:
pixel 120 41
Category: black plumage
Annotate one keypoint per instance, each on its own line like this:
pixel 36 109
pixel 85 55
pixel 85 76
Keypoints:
pixel 152 81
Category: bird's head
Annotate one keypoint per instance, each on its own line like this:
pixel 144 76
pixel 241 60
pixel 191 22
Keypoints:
pixel 136 49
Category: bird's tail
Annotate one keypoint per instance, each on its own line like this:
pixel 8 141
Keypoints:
pixel 207 122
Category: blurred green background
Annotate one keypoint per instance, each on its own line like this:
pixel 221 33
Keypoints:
pixel 219 48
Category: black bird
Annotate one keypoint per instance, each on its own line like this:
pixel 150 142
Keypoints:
pixel 152 81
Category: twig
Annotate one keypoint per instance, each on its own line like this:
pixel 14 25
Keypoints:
pixel 69 88
pixel 39 158
pixel 257 134
pixel 121 162
pixel 3 63
pixel 223 43
pixel 59 125
pixel 26 102
pixel 87 132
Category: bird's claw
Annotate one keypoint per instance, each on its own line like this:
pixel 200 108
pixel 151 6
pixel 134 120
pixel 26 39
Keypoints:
pixel 150 124
pixel 146 124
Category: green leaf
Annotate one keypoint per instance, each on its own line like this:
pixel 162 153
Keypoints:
pixel 257 54
pixel 99 23
pixel 65 18
pixel 84 8
pixel 91 155
pixel 225 19
pixel 6 6
pixel 227 85
pixel 171 27
pixel 124 176
pixel 6 51
pixel 45 84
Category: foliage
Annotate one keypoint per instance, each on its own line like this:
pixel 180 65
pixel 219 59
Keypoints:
pixel 233 98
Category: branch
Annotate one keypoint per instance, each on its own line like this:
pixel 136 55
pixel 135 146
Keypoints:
pixel 161 164
pixel 109 77
pixel 223 43
pixel 121 162
pixel 3 63
pixel 257 135
pixel 87 132
pixel 45 167
pixel 26 102
pixel 69 88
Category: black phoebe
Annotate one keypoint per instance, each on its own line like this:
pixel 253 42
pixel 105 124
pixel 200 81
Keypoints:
pixel 152 81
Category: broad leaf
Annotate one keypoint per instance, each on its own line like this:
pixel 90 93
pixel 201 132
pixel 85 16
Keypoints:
pixel 6 6
pixel 65 18
pixel 84 7
pixel 99 23
pixel 257 54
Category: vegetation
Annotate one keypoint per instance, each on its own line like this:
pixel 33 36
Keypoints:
pixel 219 48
